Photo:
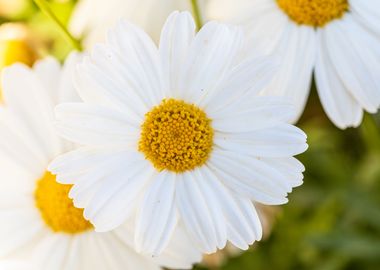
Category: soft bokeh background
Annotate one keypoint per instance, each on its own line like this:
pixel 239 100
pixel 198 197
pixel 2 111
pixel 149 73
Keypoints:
pixel 332 222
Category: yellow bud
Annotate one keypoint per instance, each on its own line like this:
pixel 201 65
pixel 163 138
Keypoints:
pixel 12 51
pixel 13 8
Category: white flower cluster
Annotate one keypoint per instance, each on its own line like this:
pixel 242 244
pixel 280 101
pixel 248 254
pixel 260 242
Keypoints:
pixel 134 155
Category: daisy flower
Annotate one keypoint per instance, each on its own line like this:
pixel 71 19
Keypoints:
pixel 178 135
pixel 92 19
pixel 336 40
pixel 38 221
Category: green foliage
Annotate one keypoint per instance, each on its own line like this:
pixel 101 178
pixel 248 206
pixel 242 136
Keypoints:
pixel 45 29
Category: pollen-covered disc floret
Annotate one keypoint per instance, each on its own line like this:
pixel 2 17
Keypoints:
pixel 57 209
pixel 315 13
pixel 176 136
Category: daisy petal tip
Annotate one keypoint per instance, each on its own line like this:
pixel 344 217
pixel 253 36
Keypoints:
pixel 186 14
pixel 242 246
pixel 260 234
pixel 210 251
pixel 174 14
pixel 298 184
pixel 143 248
pixel 280 201
pixel 358 122
pixel 304 147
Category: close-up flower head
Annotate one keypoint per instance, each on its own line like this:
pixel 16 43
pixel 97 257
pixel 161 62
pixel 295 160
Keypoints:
pixel 178 134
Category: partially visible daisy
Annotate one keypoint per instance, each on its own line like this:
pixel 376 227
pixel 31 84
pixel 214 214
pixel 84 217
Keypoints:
pixel 38 220
pixel 178 135
pixel 336 40
pixel 92 18
pixel 11 9
pixel 15 46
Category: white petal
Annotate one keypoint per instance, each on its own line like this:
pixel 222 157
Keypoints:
pixel 367 12
pixel 250 213
pixel 251 178
pixel 81 159
pixel 340 106
pixel 298 47
pixel 193 210
pixel 66 90
pixel 97 87
pixel 88 124
pixel 51 252
pixel 206 183
pixel 282 140
pixel 181 252
pixel 261 18
pixel 48 72
pixel 353 56
pixel 244 81
pixel 74 256
pixel 19 147
pixel 17 186
pixel 118 198
pixel 211 54
pixel 30 100
pixel 176 37
pixel 90 170
pixel 130 89
pixel 235 220
pixel 252 114
pixel 157 217
pixel 93 252
pixel 289 167
pixel 122 257
pixel 87 184
pixel 19 227
pixel 140 56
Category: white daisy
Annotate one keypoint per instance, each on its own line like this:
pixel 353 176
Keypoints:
pixel 178 135
pixel 337 40
pixel 92 18
pixel 38 221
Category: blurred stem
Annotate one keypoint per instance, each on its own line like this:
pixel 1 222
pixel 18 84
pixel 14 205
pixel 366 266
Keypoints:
pixel 370 133
pixel 44 7
pixel 197 13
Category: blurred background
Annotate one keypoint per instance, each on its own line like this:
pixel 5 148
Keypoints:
pixel 331 222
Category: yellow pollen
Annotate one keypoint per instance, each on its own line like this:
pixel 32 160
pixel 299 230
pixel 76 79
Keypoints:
pixel 176 136
pixel 57 209
pixel 315 13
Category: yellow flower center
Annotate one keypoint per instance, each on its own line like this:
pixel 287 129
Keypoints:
pixel 57 209
pixel 315 13
pixel 176 136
